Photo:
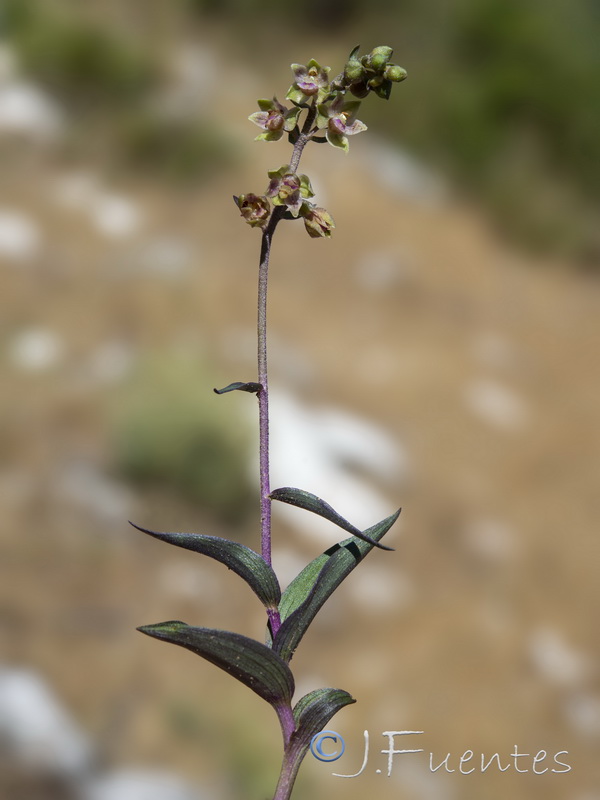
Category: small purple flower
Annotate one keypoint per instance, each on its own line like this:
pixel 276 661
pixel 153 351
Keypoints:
pixel 288 189
pixel 339 120
pixel 309 80
pixel 275 119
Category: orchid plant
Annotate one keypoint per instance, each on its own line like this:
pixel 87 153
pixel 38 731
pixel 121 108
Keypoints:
pixel 322 110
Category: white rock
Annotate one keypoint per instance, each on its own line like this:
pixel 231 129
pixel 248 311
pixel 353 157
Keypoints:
pixel 378 589
pixel 555 660
pixel 26 110
pixel 402 174
pixel 115 216
pixel 36 350
pixel 194 81
pixel 582 711
pixel 496 404
pixel 287 564
pixel 319 450
pixel 36 728
pixel 20 237
pixel 491 539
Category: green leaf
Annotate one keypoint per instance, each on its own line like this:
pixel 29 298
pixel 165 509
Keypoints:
pixel 309 591
pixel 354 53
pixel 384 91
pixel 338 140
pixel 291 119
pixel 313 711
pixel 310 502
pixel 237 557
pixel 253 388
pixel 251 662
pixel 300 588
pixel 269 136
pixel 296 95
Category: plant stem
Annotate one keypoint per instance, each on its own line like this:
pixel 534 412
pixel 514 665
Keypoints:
pixel 263 394
pixel 263 372
pixel 292 759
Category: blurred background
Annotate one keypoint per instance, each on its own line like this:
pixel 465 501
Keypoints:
pixel 439 353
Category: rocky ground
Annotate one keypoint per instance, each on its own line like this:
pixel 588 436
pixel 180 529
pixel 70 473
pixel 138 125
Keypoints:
pixel 417 360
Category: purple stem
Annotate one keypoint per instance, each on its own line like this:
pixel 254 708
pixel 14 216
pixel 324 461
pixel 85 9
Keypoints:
pixel 263 394
pixel 263 373
pixel 292 757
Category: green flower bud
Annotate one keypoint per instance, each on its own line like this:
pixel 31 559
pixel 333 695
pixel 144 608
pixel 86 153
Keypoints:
pixel 353 71
pixel 394 73
pixel 380 57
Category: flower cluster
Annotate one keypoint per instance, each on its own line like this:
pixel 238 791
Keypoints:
pixel 330 116
pixel 372 72
pixel 289 192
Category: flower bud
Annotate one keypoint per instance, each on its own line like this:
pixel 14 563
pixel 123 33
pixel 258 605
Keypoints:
pixel 353 71
pixel 254 209
pixel 317 221
pixel 394 73
pixel 380 57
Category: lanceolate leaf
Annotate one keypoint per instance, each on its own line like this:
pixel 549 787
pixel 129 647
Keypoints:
pixel 313 711
pixel 310 502
pixel 252 663
pixel 239 558
pixel 299 589
pixel 306 594
pixel 253 388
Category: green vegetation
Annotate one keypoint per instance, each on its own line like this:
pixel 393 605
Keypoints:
pixel 509 103
pixel 107 77
pixel 75 57
pixel 174 148
pixel 170 430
